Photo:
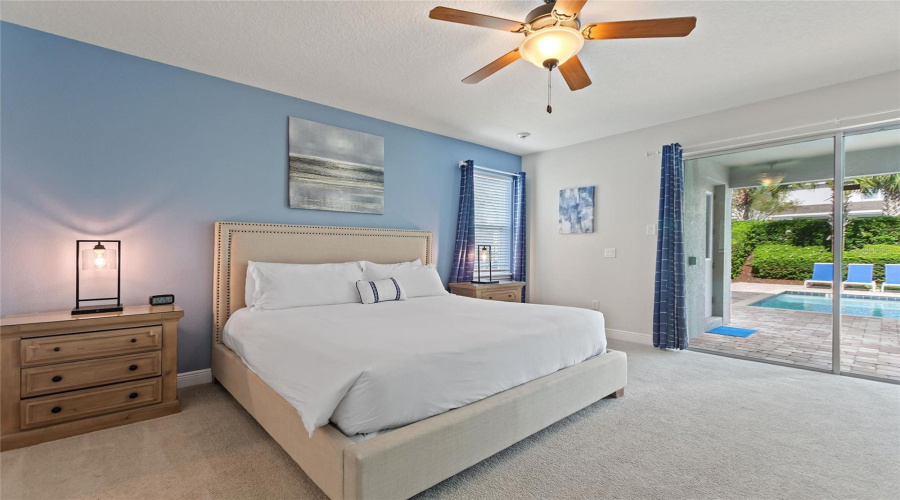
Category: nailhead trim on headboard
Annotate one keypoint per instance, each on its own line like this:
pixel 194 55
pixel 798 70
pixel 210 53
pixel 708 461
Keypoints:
pixel 225 230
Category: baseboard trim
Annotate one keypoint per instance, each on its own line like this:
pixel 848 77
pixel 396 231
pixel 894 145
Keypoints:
pixel 195 377
pixel 626 336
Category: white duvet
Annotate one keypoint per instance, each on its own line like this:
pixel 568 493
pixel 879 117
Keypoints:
pixel 373 367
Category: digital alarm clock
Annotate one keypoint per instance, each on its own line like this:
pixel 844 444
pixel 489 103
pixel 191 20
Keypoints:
pixel 162 300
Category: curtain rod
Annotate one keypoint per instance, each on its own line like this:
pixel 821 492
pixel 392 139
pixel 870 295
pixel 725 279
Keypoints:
pixel 494 171
pixel 834 122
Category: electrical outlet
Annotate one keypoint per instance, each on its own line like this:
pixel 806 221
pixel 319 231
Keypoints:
pixel 651 229
pixel 595 304
pixel 609 253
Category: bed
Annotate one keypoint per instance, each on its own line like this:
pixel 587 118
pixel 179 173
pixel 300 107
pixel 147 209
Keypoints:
pixel 421 449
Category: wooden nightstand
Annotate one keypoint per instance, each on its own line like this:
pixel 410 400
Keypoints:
pixel 63 375
pixel 506 291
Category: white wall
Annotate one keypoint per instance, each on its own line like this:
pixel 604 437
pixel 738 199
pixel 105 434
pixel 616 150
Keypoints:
pixel 569 269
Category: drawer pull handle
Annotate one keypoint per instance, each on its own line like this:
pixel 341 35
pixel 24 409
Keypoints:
pixel 133 395
pixel 56 349
pixel 56 378
pixel 133 341
pixel 133 367
pixel 55 409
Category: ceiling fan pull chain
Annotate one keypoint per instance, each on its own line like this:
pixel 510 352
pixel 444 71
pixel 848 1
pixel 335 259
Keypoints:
pixel 549 86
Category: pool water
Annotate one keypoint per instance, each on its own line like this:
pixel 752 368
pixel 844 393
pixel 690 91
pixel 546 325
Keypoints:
pixel 854 305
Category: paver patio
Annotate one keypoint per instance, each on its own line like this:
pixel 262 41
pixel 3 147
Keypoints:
pixel 869 346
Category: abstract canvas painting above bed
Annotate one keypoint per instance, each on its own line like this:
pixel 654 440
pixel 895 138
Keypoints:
pixel 333 168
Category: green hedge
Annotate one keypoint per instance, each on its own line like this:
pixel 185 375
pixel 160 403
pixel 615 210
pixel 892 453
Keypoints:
pixel 799 233
pixel 796 263
pixel 786 262
pixel 872 231
pixel 746 236
pixel 741 245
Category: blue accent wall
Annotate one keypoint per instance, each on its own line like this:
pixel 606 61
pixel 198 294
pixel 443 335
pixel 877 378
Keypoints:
pixel 97 143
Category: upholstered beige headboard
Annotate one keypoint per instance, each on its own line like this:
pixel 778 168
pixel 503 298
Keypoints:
pixel 240 242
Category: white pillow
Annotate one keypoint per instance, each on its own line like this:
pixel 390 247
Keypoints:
pixel 416 280
pixel 373 292
pixel 249 288
pixel 280 286
pixel 375 272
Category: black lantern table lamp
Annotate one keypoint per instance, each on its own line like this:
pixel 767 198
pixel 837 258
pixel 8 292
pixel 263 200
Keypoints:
pixel 484 254
pixel 94 259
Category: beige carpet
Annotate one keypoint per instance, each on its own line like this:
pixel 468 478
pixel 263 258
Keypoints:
pixel 691 425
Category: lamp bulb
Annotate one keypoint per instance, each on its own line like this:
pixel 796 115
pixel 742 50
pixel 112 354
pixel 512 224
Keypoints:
pixel 99 256
pixel 99 259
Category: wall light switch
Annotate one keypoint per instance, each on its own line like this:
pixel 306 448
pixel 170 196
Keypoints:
pixel 651 229
pixel 609 252
pixel 595 304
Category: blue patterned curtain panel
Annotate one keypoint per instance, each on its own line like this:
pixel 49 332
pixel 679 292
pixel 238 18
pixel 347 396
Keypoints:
pixel 669 312
pixel 518 219
pixel 464 251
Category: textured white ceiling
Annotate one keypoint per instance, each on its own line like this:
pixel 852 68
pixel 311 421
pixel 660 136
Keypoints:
pixel 389 61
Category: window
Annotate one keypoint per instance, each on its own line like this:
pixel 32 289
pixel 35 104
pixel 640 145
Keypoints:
pixel 493 219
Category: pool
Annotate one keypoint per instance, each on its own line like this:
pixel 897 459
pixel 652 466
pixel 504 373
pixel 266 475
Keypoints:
pixel 854 305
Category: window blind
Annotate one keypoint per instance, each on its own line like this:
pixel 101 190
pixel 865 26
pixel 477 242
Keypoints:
pixel 493 219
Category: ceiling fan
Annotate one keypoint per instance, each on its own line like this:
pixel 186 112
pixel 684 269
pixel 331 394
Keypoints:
pixel 554 35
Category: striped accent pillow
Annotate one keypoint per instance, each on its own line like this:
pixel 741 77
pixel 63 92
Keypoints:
pixel 373 292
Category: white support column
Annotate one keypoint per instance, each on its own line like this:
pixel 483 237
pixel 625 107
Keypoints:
pixel 838 252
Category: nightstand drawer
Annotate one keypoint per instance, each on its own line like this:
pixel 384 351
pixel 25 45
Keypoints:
pixel 78 375
pixel 90 345
pixel 501 295
pixel 504 291
pixel 89 402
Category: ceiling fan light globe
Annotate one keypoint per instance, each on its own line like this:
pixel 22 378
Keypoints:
pixel 555 42
pixel 770 178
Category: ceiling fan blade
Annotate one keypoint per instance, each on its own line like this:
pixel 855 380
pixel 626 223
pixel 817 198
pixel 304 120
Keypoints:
pixel 574 74
pixel 569 7
pixel 474 19
pixel 497 65
pixel 647 28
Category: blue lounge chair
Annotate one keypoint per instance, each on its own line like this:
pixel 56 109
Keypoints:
pixel 823 274
pixel 860 275
pixel 891 276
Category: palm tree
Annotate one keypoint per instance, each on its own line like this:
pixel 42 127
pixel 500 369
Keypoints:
pixel 772 200
pixel 848 189
pixel 889 185
pixel 741 200
pixel 762 202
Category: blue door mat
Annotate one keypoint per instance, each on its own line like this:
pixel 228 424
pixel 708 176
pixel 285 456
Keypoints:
pixel 731 331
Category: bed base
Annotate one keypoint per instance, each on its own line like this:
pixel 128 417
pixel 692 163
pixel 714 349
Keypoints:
pixel 618 394
pixel 413 458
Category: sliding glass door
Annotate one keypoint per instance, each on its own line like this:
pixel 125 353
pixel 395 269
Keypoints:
pixel 870 322
pixel 779 237
pixel 758 232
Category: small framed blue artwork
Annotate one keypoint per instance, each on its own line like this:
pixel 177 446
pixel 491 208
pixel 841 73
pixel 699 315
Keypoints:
pixel 576 210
